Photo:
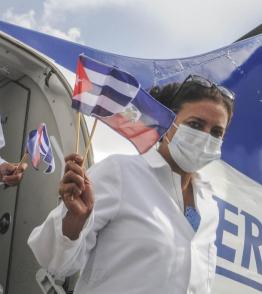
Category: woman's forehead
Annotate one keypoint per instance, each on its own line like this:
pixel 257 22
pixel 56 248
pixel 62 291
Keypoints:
pixel 207 110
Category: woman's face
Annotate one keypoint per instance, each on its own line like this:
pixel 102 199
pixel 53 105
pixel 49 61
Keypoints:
pixel 205 115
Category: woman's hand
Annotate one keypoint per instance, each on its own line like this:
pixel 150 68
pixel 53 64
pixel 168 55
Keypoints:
pixel 75 190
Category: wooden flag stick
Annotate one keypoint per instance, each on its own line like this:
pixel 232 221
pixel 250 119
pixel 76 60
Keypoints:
pixel 24 159
pixel 78 117
pixel 89 142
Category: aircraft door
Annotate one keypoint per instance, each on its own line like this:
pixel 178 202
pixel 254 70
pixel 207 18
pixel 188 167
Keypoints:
pixel 14 101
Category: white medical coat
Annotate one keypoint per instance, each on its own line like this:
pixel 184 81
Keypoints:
pixel 2 160
pixel 137 240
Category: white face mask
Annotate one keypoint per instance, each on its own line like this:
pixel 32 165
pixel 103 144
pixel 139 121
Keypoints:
pixel 192 149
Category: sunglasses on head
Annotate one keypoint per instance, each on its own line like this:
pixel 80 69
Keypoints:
pixel 207 84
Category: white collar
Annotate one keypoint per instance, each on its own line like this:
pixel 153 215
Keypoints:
pixel 155 160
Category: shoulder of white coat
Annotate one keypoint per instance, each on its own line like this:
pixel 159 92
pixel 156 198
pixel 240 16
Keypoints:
pixel 114 162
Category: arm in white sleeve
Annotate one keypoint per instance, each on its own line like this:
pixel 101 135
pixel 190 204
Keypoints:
pixel 2 160
pixel 58 254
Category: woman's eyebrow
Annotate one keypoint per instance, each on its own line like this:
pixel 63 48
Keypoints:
pixel 219 127
pixel 197 118
pixel 203 121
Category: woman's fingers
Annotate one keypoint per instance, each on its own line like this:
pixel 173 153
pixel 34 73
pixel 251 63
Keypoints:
pixel 74 158
pixel 7 168
pixel 75 187
pixel 87 195
pixel 70 165
pixel 12 180
pixel 21 168
pixel 72 177
pixel 69 190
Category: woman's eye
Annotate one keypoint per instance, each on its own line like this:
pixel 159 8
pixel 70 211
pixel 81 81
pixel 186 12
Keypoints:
pixel 217 133
pixel 195 125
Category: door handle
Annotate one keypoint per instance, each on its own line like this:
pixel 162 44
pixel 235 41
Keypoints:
pixel 5 222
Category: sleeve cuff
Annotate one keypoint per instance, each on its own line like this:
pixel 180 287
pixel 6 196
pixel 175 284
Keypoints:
pixel 64 240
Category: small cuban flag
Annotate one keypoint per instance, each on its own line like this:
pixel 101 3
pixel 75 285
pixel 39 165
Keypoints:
pixel 38 147
pixel 117 99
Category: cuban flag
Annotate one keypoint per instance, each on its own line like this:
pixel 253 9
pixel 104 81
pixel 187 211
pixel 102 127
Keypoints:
pixel 39 147
pixel 102 90
pixel 116 98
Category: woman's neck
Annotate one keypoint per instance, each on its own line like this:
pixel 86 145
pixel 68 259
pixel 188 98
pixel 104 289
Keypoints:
pixel 185 177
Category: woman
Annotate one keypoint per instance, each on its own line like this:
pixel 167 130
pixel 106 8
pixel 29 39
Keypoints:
pixel 152 228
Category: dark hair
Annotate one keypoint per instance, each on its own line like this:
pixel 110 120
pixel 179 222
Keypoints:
pixel 173 99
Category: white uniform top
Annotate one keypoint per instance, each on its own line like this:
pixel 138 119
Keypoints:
pixel 137 239
pixel 2 160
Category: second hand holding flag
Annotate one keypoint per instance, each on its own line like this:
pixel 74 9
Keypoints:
pixel 116 98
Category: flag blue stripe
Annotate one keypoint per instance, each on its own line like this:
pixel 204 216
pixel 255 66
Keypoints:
pixel 45 136
pixel 110 93
pixel 115 96
pixel 108 70
pixel 99 111
pixel 42 149
pixel 151 107
pixel 154 114
pixel 47 153
pixel 95 111
pixel 31 143
pixel 48 158
pixel 32 146
pixel 32 134
pixel 49 169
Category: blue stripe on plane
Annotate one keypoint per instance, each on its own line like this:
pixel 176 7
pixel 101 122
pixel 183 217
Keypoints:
pixel 105 69
pixel 238 278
